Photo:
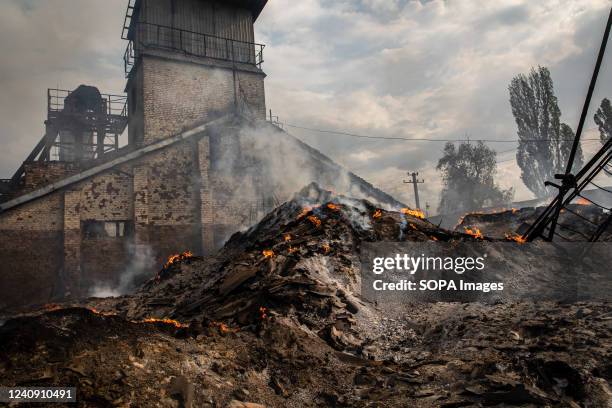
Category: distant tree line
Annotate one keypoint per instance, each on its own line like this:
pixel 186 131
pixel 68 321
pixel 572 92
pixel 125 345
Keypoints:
pixel 545 143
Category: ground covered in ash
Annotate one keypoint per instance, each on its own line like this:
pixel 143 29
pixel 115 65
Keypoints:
pixel 276 320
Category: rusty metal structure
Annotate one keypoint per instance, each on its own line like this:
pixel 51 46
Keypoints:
pixel 82 125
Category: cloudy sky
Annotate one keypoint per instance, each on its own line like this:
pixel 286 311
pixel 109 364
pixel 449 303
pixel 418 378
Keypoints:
pixel 402 68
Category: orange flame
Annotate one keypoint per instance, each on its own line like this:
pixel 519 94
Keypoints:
pixel 474 232
pixel 377 214
pixel 223 328
pixel 315 221
pixel 333 207
pixel 304 212
pixel 582 201
pixel 177 257
pixel 414 213
pixel 268 253
pixel 516 238
pixel 292 250
pixel 287 237
pixel 174 323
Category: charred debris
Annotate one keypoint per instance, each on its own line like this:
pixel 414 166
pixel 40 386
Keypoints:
pixel 275 319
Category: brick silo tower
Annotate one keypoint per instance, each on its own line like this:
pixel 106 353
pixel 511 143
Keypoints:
pixel 189 60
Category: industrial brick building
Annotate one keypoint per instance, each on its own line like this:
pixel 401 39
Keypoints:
pixel 201 161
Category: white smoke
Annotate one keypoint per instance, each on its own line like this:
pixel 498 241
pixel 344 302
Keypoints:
pixel 273 163
pixel 141 263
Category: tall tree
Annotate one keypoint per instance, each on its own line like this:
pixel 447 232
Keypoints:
pixel 603 119
pixel 468 175
pixel 544 142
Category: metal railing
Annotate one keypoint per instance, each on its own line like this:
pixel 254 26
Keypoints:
pixel 115 105
pixel 155 36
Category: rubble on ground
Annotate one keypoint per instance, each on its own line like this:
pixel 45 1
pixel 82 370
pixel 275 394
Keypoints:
pixel 577 222
pixel 275 320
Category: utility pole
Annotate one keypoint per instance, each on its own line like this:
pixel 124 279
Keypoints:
pixel 416 183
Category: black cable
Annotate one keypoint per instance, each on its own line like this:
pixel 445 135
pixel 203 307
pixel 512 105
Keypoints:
pixel 415 139
pixel 601 188
pixel 593 202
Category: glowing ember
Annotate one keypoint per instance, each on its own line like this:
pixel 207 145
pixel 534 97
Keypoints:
pixel 414 213
pixel 473 232
pixel 268 253
pixel 263 312
pixel 304 212
pixel 174 323
pixel 291 250
pixel 51 307
pixel 582 201
pixel 516 238
pixel 414 227
pixel 333 207
pixel 223 328
pixel 96 311
pixel 172 259
pixel 287 237
pixel 314 220
pixel 377 214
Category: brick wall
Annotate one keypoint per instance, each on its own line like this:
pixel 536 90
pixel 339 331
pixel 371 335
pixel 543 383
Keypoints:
pixel 107 197
pixel 175 198
pixel 42 251
pixel 72 242
pixel 103 260
pixel 166 201
pixel 178 94
pixel 38 174
pixel 31 251
pixel 206 200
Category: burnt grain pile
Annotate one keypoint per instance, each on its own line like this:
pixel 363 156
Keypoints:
pixel 276 319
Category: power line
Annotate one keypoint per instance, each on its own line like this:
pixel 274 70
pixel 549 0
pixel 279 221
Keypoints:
pixel 436 140
pixel 415 139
